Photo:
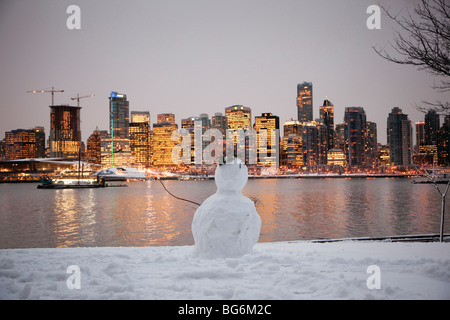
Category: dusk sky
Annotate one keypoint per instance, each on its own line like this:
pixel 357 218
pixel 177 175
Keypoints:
pixel 197 56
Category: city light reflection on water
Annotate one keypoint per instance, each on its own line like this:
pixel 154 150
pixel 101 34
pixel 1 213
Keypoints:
pixel 144 214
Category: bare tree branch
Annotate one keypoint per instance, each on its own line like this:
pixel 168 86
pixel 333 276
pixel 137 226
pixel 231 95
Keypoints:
pixel 424 42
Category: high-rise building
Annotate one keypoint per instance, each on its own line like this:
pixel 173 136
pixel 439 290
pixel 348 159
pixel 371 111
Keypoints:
pixel 119 115
pixel 189 125
pixel 429 148
pixel 314 144
pixel 65 133
pixel 399 137
pixel 40 142
pixel 443 143
pixel 371 145
pixel 305 101
pixel 93 148
pixel 25 144
pixel 310 144
pixel 327 118
pixel 240 125
pixel 355 132
pixel 162 143
pixel 420 133
pixel 268 149
pixel 339 137
pixel 219 121
pixel 432 126
pixel 115 152
pixel 292 144
pixel 238 117
pixel 140 137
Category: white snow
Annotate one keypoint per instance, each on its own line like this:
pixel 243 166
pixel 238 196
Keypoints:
pixel 277 270
pixel 226 225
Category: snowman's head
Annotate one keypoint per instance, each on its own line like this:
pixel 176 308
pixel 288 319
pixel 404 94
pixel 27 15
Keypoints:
pixel 231 177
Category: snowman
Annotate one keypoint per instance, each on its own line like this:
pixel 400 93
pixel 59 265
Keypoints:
pixel 226 224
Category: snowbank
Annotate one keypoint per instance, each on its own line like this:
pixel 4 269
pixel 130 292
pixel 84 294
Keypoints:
pixel 295 270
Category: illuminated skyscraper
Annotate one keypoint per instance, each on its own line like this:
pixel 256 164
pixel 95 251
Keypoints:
pixel 443 143
pixel 432 126
pixel 292 154
pixel 219 121
pixel 119 115
pixel 238 117
pixel 239 123
pixel 355 132
pixel 327 118
pixel 162 143
pixel 371 145
pixel 65 133
pixel 305 101
pixel 140 137
pixel 314 144
pixel 93 148
pixel 339 137
pixel 24 144
pixel 420 133
pixel 268 151
pixel 399 135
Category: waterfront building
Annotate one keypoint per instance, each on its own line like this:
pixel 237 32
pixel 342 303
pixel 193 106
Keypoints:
pixel 371 145
pixel 219 121
pixel 399 137
pixel 305 101
pixel 65 133
pixel 140 138
pixel 420 133
pixel 115 152
pixel 428 131
pixel 162 143
pixel 314 144
pixel 119 115
pixel 238 117
pixel 291 151
pixel 291 154
pixel 432 126
pixel 383 155
pixel 267 128
pixel 93 147
pixel 443 143
pixel 189 125
pixel 239 124
pixel 24 144
pixel 339 137
pixel 355 132
pixel 327 118
pixel 336 157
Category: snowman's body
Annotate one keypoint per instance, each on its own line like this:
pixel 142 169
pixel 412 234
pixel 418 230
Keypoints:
pixel 226 224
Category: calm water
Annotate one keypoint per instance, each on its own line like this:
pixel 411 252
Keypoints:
pixel 143 214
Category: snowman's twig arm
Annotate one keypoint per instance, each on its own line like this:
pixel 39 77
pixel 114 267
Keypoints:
pixel 198 204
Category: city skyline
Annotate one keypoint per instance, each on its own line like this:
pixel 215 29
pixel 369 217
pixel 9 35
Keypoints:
pixel 200 57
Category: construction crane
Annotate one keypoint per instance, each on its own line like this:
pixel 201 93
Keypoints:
pixel 78 98
pixel 42 91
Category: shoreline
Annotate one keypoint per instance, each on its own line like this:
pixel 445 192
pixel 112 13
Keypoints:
pixel 293 176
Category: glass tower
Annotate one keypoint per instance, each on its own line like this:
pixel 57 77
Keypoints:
pixel 305 101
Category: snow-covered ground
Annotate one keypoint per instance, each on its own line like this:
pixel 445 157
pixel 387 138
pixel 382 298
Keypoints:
pixel 277 270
